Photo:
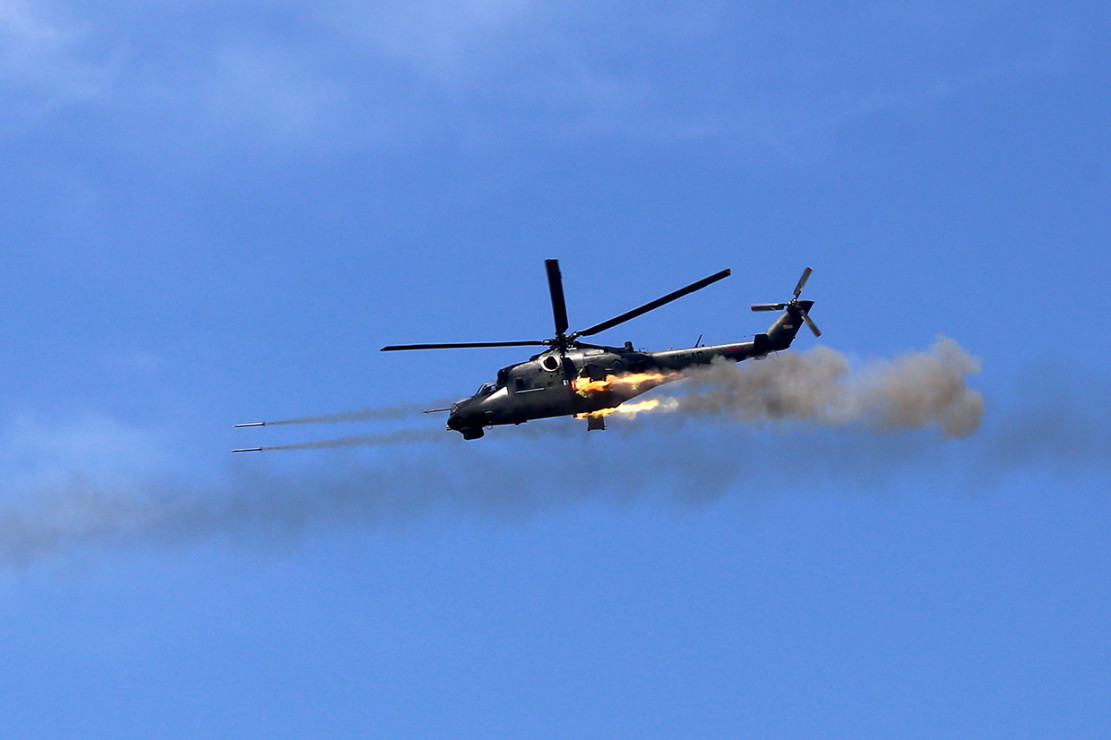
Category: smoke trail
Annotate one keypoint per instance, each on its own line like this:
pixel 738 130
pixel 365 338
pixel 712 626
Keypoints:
pixel 75 513
pixel 403 436
pixel 71 506
pixel 381 413
pixel 64 514
pixel 913 391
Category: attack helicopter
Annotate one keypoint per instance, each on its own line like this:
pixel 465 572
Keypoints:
pixel 574 378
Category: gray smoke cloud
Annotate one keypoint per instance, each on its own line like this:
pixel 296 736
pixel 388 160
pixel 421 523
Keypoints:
pixel 913 391
pixel 510 474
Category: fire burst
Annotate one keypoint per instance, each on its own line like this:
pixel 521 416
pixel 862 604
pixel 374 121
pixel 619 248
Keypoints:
pixel 586 385
pixel 632 409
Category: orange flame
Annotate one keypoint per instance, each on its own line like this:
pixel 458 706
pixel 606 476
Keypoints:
pixel 632 409
pixel 586 385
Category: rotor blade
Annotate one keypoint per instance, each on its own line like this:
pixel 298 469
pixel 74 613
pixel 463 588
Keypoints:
pixel 555 286
pixel 768 306
pixel 651 306
pixel 460 345
pixel 802 281
pixel 810 322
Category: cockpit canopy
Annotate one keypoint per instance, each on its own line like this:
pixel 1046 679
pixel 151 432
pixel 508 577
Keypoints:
pixel 486 389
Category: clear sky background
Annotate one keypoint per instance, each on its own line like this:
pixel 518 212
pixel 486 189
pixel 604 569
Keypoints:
pixel 216 214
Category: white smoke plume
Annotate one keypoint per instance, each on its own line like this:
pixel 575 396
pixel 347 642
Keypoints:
pixel 913 391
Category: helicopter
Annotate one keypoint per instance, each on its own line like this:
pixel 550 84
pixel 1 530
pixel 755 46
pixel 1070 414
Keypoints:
pixel 588 381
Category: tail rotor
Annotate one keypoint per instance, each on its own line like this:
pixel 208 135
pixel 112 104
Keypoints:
pixel 795 306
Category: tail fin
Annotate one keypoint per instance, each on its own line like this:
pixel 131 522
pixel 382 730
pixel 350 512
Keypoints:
pixel 795 314
pixel 783 331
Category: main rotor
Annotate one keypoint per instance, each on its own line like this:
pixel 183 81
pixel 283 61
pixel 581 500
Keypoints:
pixel 562 341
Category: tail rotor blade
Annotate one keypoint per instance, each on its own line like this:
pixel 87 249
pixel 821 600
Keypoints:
pixel 802 281
pixel 559 306
pixel 795 307
pixel 810 322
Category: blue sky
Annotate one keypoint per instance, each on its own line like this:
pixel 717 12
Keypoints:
pixel 218 214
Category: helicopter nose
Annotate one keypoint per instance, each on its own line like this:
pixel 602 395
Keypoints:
pixel 457 419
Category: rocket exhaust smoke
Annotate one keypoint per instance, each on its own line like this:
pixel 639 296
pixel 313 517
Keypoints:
pixel 73 509
pixel 403 436
pixel 381 413
pixel 915 390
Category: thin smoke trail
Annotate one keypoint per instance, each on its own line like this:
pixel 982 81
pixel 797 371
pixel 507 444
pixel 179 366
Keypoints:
pixel 380 413
pixel 404 436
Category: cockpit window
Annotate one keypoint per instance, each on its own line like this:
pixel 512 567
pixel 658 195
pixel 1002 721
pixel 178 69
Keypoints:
pixel 486 389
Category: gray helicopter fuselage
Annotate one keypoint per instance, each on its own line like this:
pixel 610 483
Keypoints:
pixel 573 381
pixel 573 378
pixel 549 384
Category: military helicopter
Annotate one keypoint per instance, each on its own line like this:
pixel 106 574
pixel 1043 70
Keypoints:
pixel 573 378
